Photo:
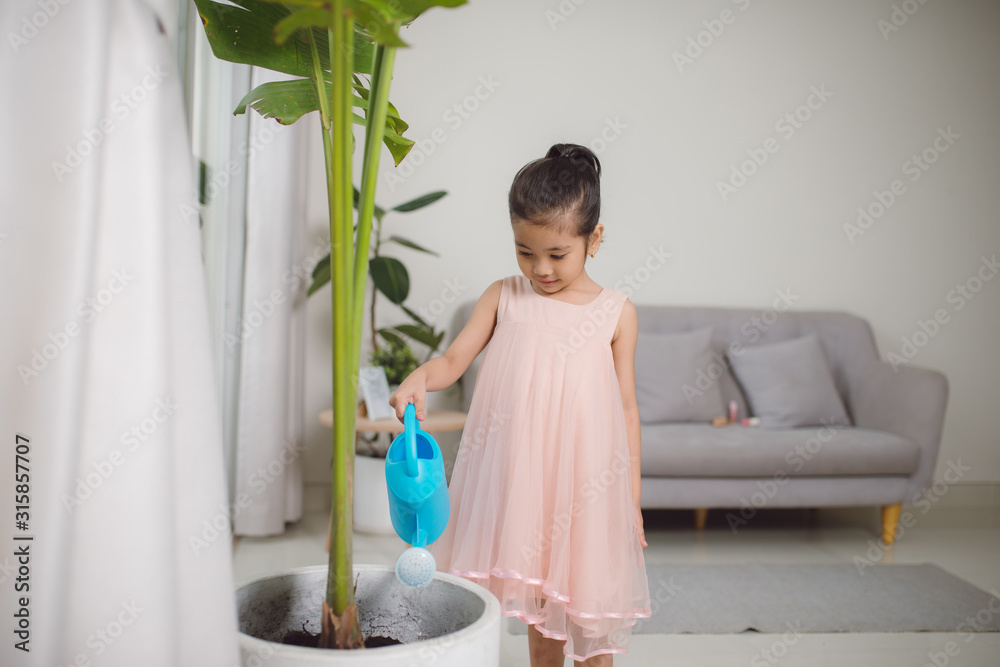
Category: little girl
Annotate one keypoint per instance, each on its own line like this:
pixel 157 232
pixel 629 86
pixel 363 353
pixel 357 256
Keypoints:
pixel 545 489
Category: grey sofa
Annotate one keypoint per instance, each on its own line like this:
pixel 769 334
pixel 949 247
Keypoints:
pixel 883 454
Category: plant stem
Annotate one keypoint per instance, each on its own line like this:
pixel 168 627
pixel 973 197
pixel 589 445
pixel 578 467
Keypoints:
pixel 378 245
pixel 375 347
pixel 338 149
pixel 324 110
pixel 378 105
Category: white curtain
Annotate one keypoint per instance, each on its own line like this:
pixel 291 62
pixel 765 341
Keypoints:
pixel 271 336
pixel 105 350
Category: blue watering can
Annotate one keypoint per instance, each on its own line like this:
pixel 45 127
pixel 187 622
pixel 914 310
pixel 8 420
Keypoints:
pixel 418 498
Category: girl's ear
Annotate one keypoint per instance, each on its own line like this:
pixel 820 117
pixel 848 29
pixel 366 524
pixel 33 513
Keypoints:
pixel 594 242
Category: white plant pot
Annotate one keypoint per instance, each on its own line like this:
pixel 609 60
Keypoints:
pixel 450 623
pixel 371 497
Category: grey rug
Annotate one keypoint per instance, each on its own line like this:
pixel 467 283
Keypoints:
pixel 775 599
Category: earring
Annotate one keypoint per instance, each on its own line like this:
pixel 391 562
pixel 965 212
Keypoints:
pixel 592 255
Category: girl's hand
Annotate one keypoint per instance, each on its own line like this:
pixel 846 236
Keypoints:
pixel 638 526
pixel 411 390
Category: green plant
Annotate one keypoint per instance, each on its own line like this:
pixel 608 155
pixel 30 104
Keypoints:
pixel 397 359
pixel 330 45
pixel 390 277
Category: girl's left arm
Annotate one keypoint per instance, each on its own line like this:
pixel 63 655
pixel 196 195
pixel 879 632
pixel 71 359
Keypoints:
pixel 623 351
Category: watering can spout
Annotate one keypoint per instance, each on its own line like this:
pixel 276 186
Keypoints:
pixel 419 538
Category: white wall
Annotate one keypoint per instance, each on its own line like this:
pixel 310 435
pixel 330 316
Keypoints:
pixel 680 132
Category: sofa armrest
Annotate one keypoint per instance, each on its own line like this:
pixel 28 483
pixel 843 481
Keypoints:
pixel 909 401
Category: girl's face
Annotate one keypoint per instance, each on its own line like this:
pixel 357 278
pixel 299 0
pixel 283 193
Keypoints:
pixel 549 258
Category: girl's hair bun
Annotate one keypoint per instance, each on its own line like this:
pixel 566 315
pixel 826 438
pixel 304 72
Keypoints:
pixel 575 152
pixel 566 180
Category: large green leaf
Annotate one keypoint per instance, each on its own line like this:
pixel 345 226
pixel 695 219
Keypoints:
pixel 285 101
pixel 245 34
pixel 391 278
pixel 310 17
pixel 410 244
pixel 420 202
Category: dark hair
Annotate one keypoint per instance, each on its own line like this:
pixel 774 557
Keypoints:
pixel 567 179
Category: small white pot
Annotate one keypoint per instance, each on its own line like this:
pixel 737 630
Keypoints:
pixel 371 497
pixel 450 623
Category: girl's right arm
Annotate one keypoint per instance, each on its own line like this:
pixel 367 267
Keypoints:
pixel 441 372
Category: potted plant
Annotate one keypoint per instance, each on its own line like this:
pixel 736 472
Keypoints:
pixel 331 46
pixel 397 359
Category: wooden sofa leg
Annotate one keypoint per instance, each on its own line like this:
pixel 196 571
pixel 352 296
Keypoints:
pixel 890 520
pixel 700 517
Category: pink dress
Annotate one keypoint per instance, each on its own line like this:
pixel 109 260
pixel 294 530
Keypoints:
pixel 541 499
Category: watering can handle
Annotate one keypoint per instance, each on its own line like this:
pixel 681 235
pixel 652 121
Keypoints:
pixel 410 428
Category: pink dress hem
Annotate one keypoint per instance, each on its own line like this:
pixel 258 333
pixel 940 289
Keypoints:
pixel 552 593
pixel 560 637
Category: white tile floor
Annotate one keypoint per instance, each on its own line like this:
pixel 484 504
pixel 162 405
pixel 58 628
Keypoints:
pixel 965 543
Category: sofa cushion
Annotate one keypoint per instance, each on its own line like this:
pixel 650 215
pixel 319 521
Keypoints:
pixel 666 377
pixel 789 384
pixel 700 450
